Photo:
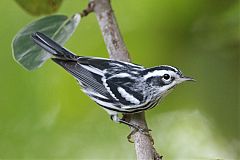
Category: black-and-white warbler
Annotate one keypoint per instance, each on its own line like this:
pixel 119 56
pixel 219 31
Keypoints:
pixel 117 86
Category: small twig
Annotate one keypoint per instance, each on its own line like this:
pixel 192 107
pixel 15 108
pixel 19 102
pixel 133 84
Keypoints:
pixel 88 10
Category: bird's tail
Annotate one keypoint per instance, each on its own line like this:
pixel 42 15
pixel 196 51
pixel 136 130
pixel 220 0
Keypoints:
pixel 52 47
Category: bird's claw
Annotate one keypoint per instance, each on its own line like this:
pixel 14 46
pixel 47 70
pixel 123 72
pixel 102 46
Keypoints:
pixel 129 137
pixel 144 131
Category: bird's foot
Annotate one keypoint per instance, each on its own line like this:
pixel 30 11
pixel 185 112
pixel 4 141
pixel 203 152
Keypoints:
pixel 143 131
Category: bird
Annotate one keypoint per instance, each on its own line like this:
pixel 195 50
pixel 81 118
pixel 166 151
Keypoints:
pixel 118 87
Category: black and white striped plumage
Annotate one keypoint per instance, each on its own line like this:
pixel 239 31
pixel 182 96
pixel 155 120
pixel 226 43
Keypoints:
pixel 119 87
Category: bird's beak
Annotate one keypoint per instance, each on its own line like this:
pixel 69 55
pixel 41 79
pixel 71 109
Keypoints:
pixel 183 79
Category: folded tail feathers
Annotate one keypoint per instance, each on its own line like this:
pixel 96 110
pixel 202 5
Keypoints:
pixel 51 46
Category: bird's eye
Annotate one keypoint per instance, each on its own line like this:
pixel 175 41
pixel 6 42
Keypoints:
pixel 166 76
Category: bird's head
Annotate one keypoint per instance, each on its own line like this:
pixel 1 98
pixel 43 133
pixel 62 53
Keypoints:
pixel 165 77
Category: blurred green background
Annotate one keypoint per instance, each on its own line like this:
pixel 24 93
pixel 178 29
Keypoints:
pixel 43 114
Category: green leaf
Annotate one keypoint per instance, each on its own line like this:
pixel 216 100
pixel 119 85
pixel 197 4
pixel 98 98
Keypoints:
pixel 57 27
pixel 39 7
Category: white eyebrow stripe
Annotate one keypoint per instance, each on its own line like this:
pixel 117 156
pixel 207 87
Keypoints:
pixel 128 96
pixel 157 73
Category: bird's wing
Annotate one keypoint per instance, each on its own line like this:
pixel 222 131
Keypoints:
pixel 121 79
pixel 115 92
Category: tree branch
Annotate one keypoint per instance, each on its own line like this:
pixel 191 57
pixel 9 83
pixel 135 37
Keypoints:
pixel 118 51
pixel 111 34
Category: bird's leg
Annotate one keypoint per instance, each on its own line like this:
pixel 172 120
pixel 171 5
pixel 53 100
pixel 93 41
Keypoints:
pixel 135 127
